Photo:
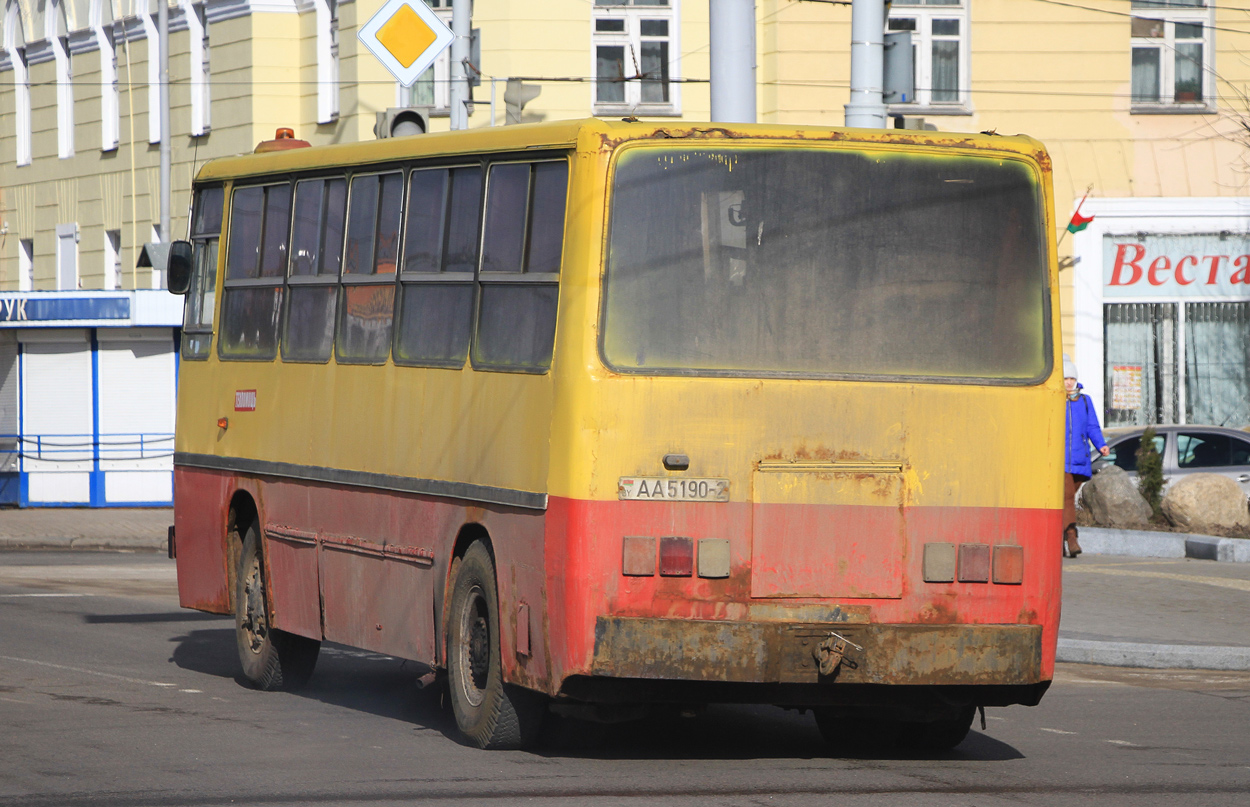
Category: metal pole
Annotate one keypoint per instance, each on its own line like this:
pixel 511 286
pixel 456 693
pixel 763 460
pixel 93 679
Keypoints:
pixel 461 24
pixel 867 52
pixel 731 25
pixel 163 32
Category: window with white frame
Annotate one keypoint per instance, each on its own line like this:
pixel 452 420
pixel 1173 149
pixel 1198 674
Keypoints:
pixel 26 264
pixel 201 92
pixel 152 36
pixel 15 44
pixel 433 87
pixel 102 26
pixel 57 32
pixel 112 258
pixel 939 31
pixel 1172 53
pixel 635 47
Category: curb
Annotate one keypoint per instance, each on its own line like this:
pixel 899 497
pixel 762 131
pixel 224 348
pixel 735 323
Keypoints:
pixel 1153 656
pixel 93 543
pixel 1150 544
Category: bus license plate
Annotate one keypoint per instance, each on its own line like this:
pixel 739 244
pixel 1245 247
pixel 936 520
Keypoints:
pixel 667 489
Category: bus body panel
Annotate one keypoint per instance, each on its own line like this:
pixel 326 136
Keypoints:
pixel 201 504
pixel 369 568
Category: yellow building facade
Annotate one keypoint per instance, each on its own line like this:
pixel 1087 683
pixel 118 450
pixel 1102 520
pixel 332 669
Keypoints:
pixel 1139 101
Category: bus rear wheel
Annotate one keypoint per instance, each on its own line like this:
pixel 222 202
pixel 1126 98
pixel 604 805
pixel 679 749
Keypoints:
pixel 271 659
pixel 489 713
pixel 939 735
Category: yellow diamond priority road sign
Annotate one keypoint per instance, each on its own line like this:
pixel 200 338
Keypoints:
pixel 407 37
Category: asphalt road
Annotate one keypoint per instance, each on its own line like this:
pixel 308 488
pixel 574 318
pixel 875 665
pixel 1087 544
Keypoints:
pixel 111 695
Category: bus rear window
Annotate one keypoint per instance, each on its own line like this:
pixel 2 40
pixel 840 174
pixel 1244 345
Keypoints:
pixel 816 262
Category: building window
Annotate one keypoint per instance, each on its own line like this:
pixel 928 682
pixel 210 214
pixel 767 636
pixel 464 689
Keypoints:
pixel 327 61
pixel 110 113
pixel 26 264
pixel 635 47
pixel 433 87
pixel 939 52
pixel 152 36
pixel 66 257
pixel 58 36
pixel 15 44
pixel 201 94
pixel 112 258
pixel 1172 52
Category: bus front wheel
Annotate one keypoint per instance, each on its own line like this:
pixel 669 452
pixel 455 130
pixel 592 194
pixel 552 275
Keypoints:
pixel 489 713
pixel 272 659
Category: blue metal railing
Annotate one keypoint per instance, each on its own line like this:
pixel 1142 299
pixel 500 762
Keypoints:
pixel 86 447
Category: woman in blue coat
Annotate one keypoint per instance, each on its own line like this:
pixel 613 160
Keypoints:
pixel 1081 428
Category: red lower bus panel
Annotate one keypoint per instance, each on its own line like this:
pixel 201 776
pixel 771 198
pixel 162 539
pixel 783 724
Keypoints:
pixel 201 501
pixel 586 580
pixel 371 568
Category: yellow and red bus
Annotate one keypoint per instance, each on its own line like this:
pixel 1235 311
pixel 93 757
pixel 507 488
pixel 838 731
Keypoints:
pixel 615 414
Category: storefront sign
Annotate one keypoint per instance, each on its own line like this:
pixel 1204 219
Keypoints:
pixel 17 308
pixel 1172 266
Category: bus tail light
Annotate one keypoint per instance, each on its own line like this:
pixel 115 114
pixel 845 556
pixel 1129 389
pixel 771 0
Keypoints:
pixel 676 557
pixel 939 563
pixel 1009 564
pixel 714 557
pixel 638 556
pixel 974 563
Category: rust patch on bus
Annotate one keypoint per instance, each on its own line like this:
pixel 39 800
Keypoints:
pixel 755 652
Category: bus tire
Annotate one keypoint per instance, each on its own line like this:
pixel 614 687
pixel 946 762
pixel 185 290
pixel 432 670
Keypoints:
pixel 271 659
pixel 939 735
pixel 489 713
pixel 856 732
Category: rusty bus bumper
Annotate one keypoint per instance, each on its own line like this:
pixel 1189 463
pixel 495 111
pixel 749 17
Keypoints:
pixel 788 653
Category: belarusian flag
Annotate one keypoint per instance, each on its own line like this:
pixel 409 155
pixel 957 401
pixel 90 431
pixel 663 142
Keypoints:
pixel 1079 222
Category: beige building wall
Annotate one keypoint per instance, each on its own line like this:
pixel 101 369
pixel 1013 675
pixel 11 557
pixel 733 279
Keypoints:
pixel 1059 73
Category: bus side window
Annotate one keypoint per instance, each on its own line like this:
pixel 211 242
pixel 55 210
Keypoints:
pixel 440 251
pixel 256 263
pixel 522 247
pixel 369 263
pixel 316 256
pixel 197 322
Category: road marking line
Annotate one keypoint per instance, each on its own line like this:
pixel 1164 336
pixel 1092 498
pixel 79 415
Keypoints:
pixel 17 596
pixel 1222 582
pixel 1125 743
pixel 1057 731
pixel 87 672
pixel 192 691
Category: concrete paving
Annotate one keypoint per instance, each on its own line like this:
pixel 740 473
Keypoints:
pixel 1161 613
pixel 1158 609
pixel 86 528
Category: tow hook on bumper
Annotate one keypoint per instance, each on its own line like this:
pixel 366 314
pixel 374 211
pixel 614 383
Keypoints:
pixel 830 654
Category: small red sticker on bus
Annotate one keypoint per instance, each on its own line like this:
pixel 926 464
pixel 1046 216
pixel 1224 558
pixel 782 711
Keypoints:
pixel 245 400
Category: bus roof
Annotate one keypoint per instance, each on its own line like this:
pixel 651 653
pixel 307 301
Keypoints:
pixel 586 131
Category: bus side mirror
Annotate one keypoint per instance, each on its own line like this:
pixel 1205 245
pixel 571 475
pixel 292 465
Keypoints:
pixel 179 267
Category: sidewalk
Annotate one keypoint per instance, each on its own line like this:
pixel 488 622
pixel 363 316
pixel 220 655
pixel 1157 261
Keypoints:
pixel 86 528
pixel 1163 613
pixel 1159 609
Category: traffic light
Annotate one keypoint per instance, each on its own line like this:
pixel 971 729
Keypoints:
pixel 516 96
pixel 402 122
